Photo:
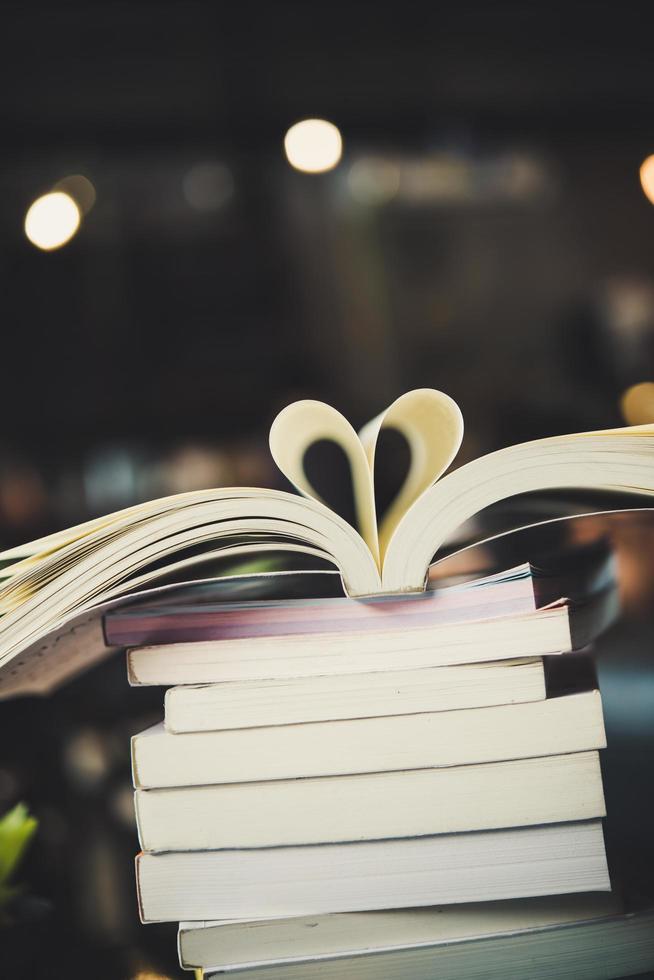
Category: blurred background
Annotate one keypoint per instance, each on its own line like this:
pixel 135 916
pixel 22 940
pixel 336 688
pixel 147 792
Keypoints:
pixel 466 204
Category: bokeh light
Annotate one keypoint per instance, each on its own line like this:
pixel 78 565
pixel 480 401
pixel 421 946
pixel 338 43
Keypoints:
pixel 153 975
pixel 647 178
pixel 313 146
pixel 637 404
pixel 52 220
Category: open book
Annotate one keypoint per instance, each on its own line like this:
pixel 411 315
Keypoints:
pixel 49 581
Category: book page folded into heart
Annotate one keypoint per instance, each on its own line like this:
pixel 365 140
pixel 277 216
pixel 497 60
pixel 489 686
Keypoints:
pixel 430 421
pixel 46 582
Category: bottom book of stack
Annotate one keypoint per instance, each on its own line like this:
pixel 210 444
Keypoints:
pixel 579 937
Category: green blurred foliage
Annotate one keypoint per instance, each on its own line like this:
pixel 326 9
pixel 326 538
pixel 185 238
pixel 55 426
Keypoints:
pixel 17 828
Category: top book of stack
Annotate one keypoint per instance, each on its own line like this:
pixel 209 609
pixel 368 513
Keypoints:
pixel 495 618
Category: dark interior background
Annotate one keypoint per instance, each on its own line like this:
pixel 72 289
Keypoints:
pixel 485 232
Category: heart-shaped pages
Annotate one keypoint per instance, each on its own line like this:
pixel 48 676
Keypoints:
pixel 430 421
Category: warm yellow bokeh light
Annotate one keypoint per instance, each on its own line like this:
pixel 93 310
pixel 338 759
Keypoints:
pixel 647 178
pixel 151 975
pixel 637 404
pixel 313 145
pixel 52 220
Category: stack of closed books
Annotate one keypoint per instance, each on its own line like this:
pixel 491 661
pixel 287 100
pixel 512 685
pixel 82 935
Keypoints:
pixel 327 758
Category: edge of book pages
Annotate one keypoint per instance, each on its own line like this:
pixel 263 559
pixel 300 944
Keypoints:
pixel 439 869
pixel 557 913
pixel 581 911
pixel 604 920
pixel 579 574
pixel 80 635
pixel 246 757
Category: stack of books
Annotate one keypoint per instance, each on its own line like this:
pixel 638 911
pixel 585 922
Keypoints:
pixel 333 769
pixel 327 758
